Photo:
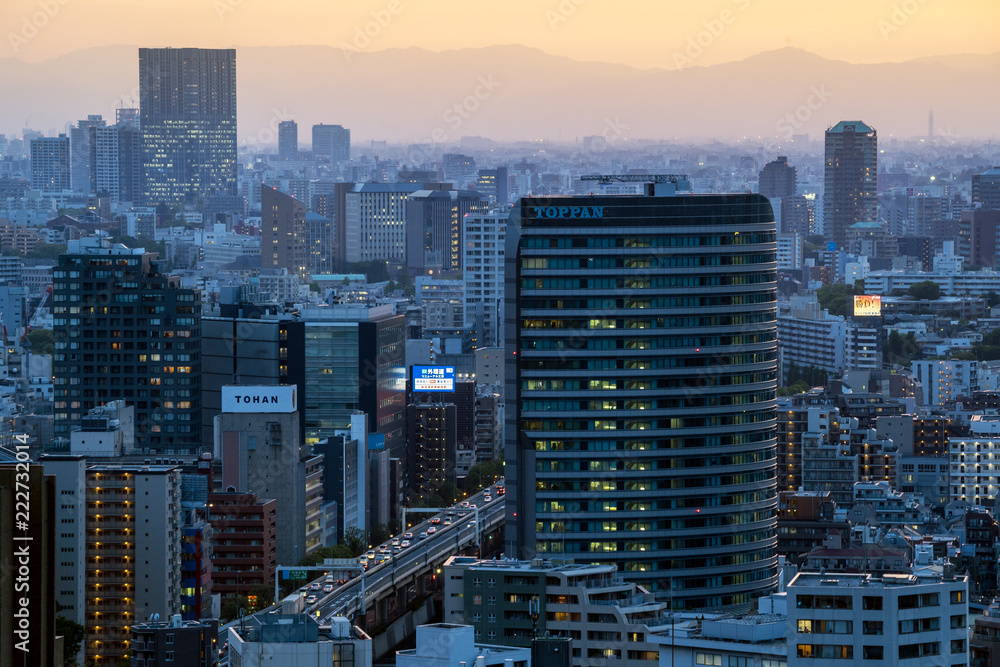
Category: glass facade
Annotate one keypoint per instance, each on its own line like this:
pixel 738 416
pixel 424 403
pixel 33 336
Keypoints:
pixel 187 106
pixel 641 379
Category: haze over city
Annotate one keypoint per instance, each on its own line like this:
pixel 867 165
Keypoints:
pixel 555 333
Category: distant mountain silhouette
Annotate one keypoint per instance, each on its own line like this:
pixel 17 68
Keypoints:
pixel 516 93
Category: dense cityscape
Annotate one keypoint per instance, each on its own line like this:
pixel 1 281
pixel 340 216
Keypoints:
pixel 604 398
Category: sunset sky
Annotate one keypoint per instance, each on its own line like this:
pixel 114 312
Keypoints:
pixel 640 33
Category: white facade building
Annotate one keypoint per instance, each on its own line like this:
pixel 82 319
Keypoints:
pixel 946 380
pixel 483 266
pixel 975 469
pixel 809 336
pixel 895 619
pixel 375 221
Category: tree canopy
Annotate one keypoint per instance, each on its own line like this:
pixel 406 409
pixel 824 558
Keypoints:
pixel 927 290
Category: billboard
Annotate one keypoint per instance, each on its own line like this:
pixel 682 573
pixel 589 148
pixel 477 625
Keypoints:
pixel 433 378
pixel 259 398
pixel 867 305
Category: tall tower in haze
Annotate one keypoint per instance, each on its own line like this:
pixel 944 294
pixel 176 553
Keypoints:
pixel 187 110
pixel 851 169
pixel 640 388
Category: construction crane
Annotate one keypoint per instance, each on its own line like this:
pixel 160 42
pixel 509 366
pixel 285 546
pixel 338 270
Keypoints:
pixel 634 178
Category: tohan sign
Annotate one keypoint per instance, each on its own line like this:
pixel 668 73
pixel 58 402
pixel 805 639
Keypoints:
pixel 259 398
pixel 867 305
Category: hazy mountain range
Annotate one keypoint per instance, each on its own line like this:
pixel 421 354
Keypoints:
pixel 516 93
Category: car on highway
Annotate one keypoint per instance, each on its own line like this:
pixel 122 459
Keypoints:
pixel 315 586
pixel 423 536
pixel 384 549
pixel 501 489
pixel 311 599
pixel 328 588
pixel 404 544
pixel 371 554
pixel 407 536
pixel 394 542
pixel 487 499
pixel 465 503
pixel 435 521
pixel 431 530
pixel 396 549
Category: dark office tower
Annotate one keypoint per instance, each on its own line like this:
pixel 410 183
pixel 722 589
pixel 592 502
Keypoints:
pixel 434 222
pixel 50 164
pixel 129 155
pixel 81 152
pixel 777 179
pixel 849 178
pixel 640 390
pixel 123 330
pixel 288 140
pixel 28 563
pixel 243 346
pixel 494 184
pixel 331 143
pixel 187 110
pixel 986 189
pixel 458 168
pixel 432 445
pixel 282 231
pixel 798 215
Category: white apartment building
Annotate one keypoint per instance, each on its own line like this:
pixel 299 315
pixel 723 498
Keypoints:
pixel 893 619
pixel 483 264
pixel 974 282
pixel 975 469
pixel 810 336
pixel 789 249
pixel 946 380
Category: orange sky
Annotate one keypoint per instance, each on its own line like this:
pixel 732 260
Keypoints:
pixel 640 33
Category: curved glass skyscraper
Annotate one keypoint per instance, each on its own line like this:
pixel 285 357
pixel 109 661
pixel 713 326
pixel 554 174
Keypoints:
pixel 641 379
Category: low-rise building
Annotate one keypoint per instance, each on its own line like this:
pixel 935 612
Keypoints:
pixel 167 643
pixel 298 639
pixel 446 644
pixel 897 619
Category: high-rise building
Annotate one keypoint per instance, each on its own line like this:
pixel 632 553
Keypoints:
pixel 459 169
pixel 482 271
pixel 798 215
pixel 50 164
pixel 282 231
pixel 288 140
pixel 187 108
pixel 331 143
pixel 133 559
pixel 249 348
pixel 640 390
pixel 81 168
pixel 494 184
pixel 375 220
pixel 434 227
pixel 986 189
pixel 258 436
pixel 115 162
pixel 777 179
pixel 141 344
pixel 432 432
pixel 28 557
pixel 850 173
pixel 245 532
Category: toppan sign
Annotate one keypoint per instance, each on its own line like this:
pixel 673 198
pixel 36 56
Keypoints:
pixel 867 305
pixel 568 211
pixel 259 398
